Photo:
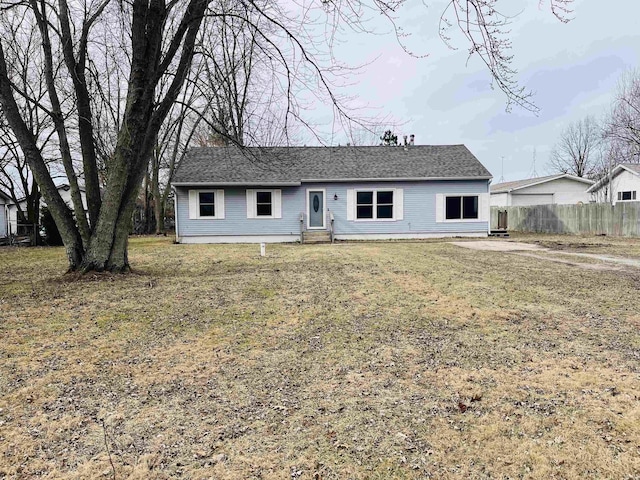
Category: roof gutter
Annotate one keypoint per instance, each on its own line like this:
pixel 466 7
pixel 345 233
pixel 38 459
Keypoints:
pixel 409 179
pixel 235 184
pixel 325 180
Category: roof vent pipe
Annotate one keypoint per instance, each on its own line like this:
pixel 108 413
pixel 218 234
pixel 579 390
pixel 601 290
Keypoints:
pixel 412 138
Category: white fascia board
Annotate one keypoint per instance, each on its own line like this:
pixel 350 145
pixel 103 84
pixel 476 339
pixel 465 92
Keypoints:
pixel 235 184
pixel 534 183
pixel 604 180
pixel 630 171
pixel 323 180
pixel 409 179
pixel 579 179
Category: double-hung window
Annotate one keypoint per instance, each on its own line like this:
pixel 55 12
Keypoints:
pixel 461 207
pixel 264 203
pixel 374 205
pixel 206 204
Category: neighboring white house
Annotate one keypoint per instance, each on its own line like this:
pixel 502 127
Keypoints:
pixel 554 189
pixel 625 185
pixel 12 216
pixel 4 214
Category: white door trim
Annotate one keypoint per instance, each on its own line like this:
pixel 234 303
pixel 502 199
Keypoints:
pixel 324 208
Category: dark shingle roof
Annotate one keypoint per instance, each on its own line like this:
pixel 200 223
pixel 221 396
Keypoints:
pixel 293 165
pixel 509 186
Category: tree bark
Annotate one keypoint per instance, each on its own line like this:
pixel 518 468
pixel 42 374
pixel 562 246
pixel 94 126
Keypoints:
pixel 83 100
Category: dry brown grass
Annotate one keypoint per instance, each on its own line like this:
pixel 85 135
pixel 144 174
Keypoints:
pixel 382 360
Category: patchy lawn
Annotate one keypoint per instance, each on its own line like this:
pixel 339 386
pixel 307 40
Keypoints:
pixel 380 360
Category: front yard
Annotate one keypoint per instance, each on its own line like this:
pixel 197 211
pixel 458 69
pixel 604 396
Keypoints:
pixel 373 360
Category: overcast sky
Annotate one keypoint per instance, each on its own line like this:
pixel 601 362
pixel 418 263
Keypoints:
pixel 572 68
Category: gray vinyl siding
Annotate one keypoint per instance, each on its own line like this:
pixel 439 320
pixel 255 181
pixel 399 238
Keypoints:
pixel 419 211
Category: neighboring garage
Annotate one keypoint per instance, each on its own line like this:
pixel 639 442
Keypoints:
pixel 532 199
pixel 554 189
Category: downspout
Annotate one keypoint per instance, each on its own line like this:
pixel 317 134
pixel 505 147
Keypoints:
pixel 175 211
pixel 489 206
pixel 610 183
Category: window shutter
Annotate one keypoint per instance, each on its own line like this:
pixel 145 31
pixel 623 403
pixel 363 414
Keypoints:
pixel 193 204
pixel 399 203
pixel 619 195
pixel 251 204
pixel 439 207
pixel 483 204
pixel 351 204
pixel 633 195
pixel 220 204
pixel 277 203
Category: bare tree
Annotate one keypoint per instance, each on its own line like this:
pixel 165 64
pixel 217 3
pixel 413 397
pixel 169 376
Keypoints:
pixel 577 151
pixel 151 45
pixel 162 40
pixel 15 177
pixel 623 125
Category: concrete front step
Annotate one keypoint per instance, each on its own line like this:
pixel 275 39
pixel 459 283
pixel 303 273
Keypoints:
pixel 316 237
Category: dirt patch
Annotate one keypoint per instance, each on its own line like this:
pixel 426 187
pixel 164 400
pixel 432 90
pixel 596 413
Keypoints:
pixel 588 266
pixel 631 262
pixel 570 245
pixel 499 246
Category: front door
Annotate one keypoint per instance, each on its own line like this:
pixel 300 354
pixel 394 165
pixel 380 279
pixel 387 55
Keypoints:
pixel 316 208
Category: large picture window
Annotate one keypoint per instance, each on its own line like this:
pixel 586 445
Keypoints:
pixel 461 207
pixel 374 205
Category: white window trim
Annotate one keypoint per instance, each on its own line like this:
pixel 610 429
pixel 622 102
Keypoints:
pixel 375 205
pixel 461 220
pixel 621 193
pixel 194 203
pixel 276 204
pixel 324 208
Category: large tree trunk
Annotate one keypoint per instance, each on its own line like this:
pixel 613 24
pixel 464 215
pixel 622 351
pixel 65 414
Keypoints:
pixel 158 211
pixel 158 205
pixel 107 248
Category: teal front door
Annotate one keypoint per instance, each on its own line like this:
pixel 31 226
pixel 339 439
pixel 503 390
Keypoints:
pixel 316 209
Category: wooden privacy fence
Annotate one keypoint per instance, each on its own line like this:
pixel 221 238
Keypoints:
pixel 622 219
